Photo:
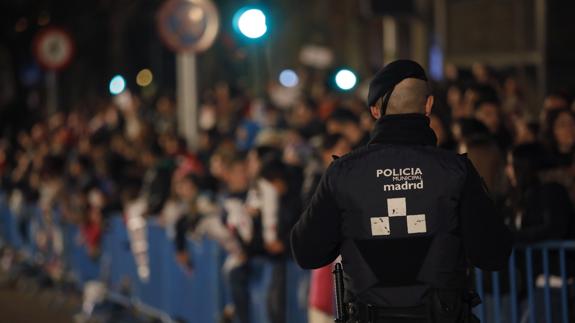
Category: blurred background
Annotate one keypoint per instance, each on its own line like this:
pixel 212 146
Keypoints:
pixel 154 154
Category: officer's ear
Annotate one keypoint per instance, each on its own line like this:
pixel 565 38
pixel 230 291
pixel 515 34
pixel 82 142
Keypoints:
pixel 428 105
pixel 375 112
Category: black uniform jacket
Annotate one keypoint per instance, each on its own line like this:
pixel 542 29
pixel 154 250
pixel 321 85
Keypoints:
pixel 404 215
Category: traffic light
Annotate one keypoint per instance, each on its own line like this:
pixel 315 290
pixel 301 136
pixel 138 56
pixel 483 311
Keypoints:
pixel 117 85
pixel 250 22
pixel 345 79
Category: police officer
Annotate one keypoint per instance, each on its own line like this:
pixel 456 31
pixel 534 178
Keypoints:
pixel 407 218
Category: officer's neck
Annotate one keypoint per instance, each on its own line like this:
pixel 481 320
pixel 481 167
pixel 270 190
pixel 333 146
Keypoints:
pixel 408 129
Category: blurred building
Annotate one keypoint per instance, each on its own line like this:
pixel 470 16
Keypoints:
pixel 531 39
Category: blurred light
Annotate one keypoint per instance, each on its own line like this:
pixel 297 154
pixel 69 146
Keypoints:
pixel 252 23
pixel 43 18
pixel 117 85
pixel 144 77
pixel 288 78
pixel 196 14
pixel 21 25
pixel 345 79
pixel 436 62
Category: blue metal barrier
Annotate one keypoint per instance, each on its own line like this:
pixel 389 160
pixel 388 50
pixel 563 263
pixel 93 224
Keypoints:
pixel 195 298
pixel 4 213
pixel 10 226
pixel 82 266
pixel 539 304
pixel 297 292
pixel 119 269
pixel 513 296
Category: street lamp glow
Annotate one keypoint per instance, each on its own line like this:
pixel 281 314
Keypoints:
pixel 252 23
pixel 117 85
pixel 289 78
pixel 144 77
pixel 345 79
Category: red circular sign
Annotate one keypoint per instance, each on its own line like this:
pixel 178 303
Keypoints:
pixel 53 47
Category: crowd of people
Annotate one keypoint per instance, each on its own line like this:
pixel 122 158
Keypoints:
pixel 258 161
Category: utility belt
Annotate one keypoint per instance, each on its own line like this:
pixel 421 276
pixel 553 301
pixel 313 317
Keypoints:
pixel 442 306
pixel 366 313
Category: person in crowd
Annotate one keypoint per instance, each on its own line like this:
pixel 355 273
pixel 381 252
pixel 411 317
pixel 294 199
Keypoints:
pixel 489 161
pixel 157 179
pixel 288 206
pixel 93 222
pixel 252 210
pixel 226 109
pixel 559 141
pixel 513 100
pixel 456 103
pixel 466 129
pixel 164 116
pixel 263 200
pixel 193 214
pixel 553 101
pixel 321 282
pixel 444 139
pixel 490 164
pixel 330 146
pixel 489 113
pixel 560 137
pixel 540 211
pixel 242 225
pixel 537 212
pixel 524 132
pixel 304 119
pixel 345 122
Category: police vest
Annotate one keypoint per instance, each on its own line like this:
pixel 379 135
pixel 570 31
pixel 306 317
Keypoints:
pixel 400 223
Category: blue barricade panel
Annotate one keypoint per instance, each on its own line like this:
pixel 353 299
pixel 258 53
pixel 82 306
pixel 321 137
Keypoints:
pixel 83 267
pixel 4 220
pixel 297 293
pixel 537 289
pixel 150 292
pixel 118 260
pixel 200 298
pixel 261 271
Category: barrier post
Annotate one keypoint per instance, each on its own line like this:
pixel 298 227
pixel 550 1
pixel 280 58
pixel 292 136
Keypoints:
pixel 564 305
pixel 513 288
pixel 529 280
pixel 496 296
pixel 479 286
pixel 546 287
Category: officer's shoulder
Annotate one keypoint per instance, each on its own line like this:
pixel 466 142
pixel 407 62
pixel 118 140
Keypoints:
pixel 352 156
pixel 449 157
pixel 447 154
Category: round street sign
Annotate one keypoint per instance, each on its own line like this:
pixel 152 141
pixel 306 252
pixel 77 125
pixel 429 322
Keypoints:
pixel 53 48
pixel 188 25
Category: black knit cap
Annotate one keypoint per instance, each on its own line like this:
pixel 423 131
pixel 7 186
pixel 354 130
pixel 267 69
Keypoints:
pixel 390 75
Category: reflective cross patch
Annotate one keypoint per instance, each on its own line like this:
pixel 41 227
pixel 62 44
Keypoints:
pixel 416 223
pixel 397 207
pixel 380 226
